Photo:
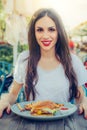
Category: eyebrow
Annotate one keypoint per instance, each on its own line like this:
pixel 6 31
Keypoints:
pixel 48 27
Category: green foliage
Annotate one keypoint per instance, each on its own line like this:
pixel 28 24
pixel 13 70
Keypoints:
pixel 6 53
pixel 1 6
pixel 22 47
pixel 2 21
pixel 28 19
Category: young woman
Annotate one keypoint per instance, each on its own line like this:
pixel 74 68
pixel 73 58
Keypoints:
pixel 48 71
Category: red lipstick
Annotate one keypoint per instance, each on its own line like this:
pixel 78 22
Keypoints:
pixel 46 42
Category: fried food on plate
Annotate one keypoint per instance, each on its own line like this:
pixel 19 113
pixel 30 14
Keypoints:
pixel 43 107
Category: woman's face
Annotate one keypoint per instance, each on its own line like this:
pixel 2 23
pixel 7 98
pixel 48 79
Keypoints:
pixel 46 33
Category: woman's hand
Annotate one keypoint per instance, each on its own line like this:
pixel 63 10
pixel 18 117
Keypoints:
pixel 4 105
pixel 9 98
pixel 83 107
pixel 82 102
pixel 6 101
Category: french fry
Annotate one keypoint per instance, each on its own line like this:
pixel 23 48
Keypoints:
pixel 20 108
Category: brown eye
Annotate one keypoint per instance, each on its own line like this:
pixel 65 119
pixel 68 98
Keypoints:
pixel 39 30
pixel 51 29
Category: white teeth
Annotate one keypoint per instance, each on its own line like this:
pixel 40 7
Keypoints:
pixel 46 42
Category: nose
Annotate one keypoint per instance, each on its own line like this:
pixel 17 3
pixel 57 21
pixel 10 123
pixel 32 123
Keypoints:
pixel 46 34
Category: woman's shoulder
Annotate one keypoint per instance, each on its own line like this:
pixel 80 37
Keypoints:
pixel 79 69
pixel 75 58
pixel 23 55
pixel 77 62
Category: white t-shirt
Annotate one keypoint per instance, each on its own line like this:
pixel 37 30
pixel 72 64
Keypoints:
pixel 52 85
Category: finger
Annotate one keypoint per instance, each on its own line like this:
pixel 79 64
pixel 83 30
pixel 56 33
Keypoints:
pixel 83 108
pixel 3 106
pixel 1 112
pixel 80 109
pixel 85 111
pixel 8 110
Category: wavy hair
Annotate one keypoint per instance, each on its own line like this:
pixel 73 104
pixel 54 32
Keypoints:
pixel 61 49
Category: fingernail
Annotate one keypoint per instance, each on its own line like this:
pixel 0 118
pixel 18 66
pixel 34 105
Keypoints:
pixel 8 112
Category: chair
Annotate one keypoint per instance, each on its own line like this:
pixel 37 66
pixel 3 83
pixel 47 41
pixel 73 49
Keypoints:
pixel 2 81
pixel 8 82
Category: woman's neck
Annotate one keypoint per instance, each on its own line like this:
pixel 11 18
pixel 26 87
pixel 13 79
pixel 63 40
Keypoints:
pixel 48 55
pixel 48 61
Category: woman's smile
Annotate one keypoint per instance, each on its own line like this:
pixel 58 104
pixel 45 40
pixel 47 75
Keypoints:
pixel 46 42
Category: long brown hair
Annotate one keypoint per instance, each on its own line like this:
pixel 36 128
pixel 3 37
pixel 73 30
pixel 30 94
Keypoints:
pixel 61 49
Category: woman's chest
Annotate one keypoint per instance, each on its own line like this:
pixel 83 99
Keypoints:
pixel 52 85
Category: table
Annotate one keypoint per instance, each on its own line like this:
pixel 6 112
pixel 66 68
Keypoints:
pixel 14 122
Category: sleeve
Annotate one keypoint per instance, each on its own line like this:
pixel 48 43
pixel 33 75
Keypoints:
pixel 20 68
pixel 80 70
